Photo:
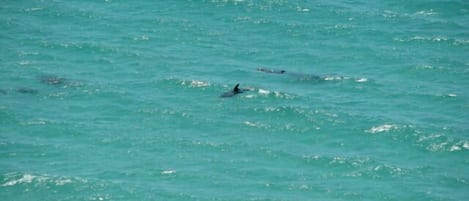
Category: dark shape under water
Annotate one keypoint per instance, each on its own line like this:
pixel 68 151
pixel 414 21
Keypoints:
pixel 271 71
pixel 3 92
pixel 24 90
pixel 299 76
pixel 52 80
pixel 234 91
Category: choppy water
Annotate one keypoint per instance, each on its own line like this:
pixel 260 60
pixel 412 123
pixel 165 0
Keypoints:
pixel 119 100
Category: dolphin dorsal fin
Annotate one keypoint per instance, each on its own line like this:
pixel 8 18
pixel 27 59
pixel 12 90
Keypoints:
pixel 236 88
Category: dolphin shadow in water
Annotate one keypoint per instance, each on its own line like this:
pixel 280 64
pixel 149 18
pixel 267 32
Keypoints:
pixel 234 91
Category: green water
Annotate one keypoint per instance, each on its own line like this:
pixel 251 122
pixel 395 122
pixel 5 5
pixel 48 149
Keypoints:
pixel 120 100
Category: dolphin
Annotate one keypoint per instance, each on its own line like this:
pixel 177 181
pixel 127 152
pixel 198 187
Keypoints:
pixel 236 90
pixel 52 80
pixel 25 90
pixel 271 71
pixel 58 81
pixel 299 76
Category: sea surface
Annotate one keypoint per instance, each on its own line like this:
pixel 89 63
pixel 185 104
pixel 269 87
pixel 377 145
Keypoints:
pixel 120 100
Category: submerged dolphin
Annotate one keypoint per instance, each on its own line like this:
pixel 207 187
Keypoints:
pixel 299 76
pixel 271 71
pixel 25 90
pixel 59 81
pixel 52 80
pixel 236 90
pixel 22 90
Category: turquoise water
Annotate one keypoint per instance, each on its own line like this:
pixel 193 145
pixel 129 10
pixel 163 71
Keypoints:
pixel 119 100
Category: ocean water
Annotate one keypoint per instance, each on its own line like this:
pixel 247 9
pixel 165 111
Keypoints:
pixel 120 100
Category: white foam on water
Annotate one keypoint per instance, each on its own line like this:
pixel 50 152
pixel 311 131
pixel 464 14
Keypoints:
pixel 264 92
pixel 381 128
pixel 168 171
pixel 33 9
pixel 29 178
pixel 361 80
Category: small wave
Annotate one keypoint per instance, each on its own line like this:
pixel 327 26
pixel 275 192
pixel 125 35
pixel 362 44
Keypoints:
pixel 267 93
pixel 339 27
pixel 94 47
pixel 27 178
pixel 24 54
pixel 440 142
pixel 261 5
pixel 166 172
pixel 24 63
pixel 448 95
pixel 257 125
pixel 37 122
pixel 250 124
pixel 434 142
pixel 186 83
pixel 141 38
pixel 163 112
pixel 333 78
pixel 421 14
pixel 382 169
pixel 99 197
pixel 301 9
pixel 382 128
pixel 264 92
pixel 426 67
pixel 33 9
pixel 177 84
pixel 357 167
pixel 461 42
pixel 283 110
pixel 361 80
pixel 336 78
pixel 426 13
pixel 293 119
pixel 285 127
pixel 423 38
pixel 435 39
pixel 451 95
pixel 195 83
